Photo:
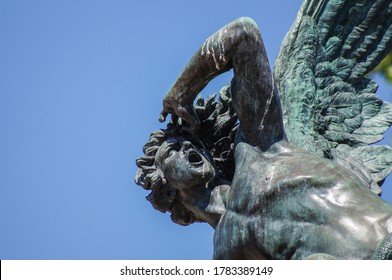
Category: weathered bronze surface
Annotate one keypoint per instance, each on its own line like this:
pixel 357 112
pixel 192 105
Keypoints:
pixel 281 164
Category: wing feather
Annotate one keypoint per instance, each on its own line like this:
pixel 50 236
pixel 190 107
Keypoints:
pixel 330 107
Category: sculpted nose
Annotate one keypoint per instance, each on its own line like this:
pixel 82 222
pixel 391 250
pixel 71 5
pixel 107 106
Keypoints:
pixel 187 145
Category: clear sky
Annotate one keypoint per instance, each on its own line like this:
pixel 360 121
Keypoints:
pixel 81 88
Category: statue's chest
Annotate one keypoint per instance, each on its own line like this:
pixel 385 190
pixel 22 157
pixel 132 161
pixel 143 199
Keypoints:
pixel 276 190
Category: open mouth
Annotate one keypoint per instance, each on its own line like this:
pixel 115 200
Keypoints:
pixel 194 158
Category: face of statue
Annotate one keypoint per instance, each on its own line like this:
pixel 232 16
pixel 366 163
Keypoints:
pixel 184 164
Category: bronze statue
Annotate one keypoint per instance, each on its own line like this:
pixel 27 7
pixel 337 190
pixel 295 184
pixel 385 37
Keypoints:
pixel 281 165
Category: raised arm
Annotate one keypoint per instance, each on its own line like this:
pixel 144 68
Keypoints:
pixel 237 45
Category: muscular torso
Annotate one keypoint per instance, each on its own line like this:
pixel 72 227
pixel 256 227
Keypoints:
pixel 287 204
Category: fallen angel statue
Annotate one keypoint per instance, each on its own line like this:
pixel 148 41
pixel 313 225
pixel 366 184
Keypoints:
pixel 282 164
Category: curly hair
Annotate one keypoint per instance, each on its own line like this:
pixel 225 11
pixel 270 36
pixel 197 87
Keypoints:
pixel 218 126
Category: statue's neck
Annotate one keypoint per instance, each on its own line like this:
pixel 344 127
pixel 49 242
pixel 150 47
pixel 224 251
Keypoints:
pixel 208 203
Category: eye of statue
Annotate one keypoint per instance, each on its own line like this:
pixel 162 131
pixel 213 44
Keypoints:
pixel 172 149
pixel 171 152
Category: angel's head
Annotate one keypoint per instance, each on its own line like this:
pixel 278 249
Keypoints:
pixel 185 163
pixel 173 164
pixel 175 161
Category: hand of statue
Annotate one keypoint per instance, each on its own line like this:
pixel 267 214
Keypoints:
pixel 185 112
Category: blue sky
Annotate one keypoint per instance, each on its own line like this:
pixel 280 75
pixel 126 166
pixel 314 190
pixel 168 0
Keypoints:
pixel 81 88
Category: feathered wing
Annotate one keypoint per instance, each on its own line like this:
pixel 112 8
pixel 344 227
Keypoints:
pixel 330 107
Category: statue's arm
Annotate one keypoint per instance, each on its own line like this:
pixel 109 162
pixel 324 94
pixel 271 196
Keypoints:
pixel 236 46
pixel 210 60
